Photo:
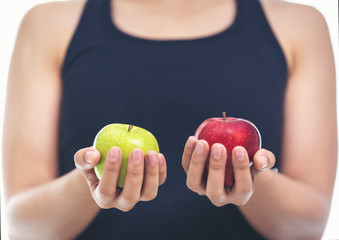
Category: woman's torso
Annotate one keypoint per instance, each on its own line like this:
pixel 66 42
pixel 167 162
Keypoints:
pixel 169 88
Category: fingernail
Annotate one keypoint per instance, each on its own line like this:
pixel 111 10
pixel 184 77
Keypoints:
pixel 264 162
pixel 114 154
pixel 199 148
pixel 152 159
pixel 217 151
pixel 239 153
pixel 88 157
pixel 136 156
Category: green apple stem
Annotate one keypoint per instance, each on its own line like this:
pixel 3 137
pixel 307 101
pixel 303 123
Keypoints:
pixel 224 115
pixel 129 128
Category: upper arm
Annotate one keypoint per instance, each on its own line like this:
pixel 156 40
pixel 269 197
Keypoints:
pixel 309 151
pixel 33 98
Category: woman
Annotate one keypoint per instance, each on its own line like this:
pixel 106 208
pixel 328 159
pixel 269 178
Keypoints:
pixel 167 66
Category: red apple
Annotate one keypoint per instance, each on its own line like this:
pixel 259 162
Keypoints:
pixel 230 132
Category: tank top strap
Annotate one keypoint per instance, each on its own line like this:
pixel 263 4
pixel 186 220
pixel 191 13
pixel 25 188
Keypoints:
pixel 257 29
pixel 252 14
pixel 90 29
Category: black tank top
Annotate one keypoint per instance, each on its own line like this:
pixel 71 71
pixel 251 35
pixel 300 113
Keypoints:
pixel 169 87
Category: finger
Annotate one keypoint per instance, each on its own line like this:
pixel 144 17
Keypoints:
pixel 242 189
pixel 106 190
pixel 151 178
pixel 162 169
pixel 110 174
pixel 85 159
pixel 196 168
pixel 263 159
pixel 130 194
pixel 188 151
pixel 215 188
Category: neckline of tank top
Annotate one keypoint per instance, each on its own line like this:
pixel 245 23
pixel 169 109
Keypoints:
pixel 109 20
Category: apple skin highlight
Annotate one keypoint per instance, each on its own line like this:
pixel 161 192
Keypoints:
pixel 126 137
pixel 230 132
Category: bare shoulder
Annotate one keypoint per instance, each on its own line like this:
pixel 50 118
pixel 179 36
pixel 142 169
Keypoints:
pixel 50 26
pixel 295 25
pixel 288 6
pixel 296 16
pixel 54 14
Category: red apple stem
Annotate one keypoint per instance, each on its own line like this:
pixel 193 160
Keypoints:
pixel 129 128
pixel 224 115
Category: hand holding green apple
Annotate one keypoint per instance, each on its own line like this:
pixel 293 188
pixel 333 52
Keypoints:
pixel 126 147
pixel 126 137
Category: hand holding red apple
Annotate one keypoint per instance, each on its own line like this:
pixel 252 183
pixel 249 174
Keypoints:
pixel 206 164
pixel 230 132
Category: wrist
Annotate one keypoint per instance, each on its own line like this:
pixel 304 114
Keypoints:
pixel 80 188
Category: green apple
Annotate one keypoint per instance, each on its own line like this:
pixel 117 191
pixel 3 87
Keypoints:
pixel 127 138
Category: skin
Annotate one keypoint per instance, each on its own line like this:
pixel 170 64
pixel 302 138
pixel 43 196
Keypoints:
pixel 309 151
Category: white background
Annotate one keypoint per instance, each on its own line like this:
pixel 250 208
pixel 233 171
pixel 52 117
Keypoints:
pixel 12 11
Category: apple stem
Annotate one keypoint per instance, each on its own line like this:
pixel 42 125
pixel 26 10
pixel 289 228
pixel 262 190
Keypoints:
pixel 224 114
pixel 129 128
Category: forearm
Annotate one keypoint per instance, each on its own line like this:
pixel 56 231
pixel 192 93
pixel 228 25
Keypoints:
pixel 60 209
pixel 283 208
